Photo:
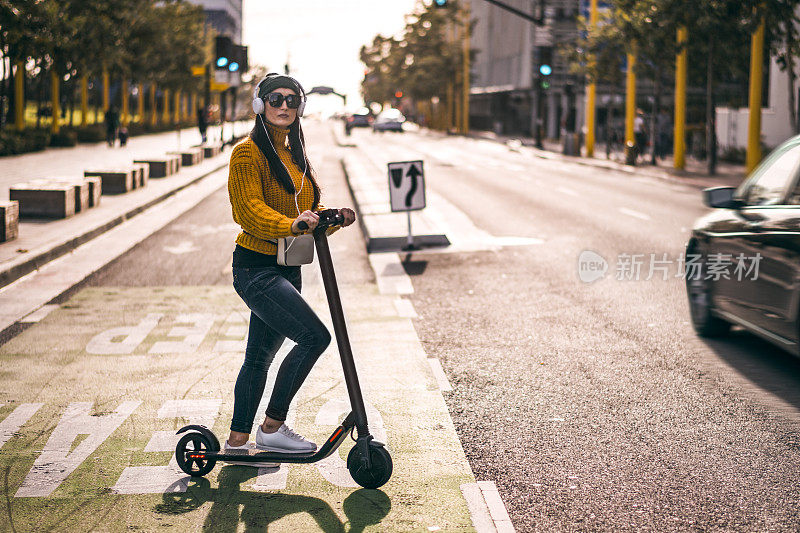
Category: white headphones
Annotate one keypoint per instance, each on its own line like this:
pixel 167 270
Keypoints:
pixel 258 103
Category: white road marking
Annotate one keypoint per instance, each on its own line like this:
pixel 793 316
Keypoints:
pixel 486 508
pixel 390 274
pixel 105 343
pixel 192 336
pixel 566 191
pixel 39 314
pixel 634 214
pixel 16 419
pixel 439 375
pixel 167 478
pixel 236 327
pixel 183 248
pixel 56 461
pixel 497 508
pixel 405 308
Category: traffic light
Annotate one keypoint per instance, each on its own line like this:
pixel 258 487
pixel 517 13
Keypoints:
pixel 545 61
pixel 440 3
pixel 223 52
pixel 238 61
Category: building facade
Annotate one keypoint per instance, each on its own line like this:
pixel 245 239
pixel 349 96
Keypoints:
pixel 225 16
pixel 507 93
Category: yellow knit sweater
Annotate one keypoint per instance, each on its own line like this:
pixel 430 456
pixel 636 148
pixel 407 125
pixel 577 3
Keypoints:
pixel 261 206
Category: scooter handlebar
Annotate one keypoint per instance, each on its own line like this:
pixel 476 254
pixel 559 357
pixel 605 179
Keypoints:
pixel 327 218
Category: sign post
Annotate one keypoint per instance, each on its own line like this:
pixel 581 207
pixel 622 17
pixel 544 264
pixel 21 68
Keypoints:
pixel 407 191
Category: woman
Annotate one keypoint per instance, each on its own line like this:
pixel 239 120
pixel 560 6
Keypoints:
pixel 272 189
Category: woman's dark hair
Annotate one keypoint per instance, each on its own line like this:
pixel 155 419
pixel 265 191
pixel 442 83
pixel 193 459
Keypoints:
pixel 296 143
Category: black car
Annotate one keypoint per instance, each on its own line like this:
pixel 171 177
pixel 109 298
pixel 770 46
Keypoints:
pixel 755 230
pixel 362 119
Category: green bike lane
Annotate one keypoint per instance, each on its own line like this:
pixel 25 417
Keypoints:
pixel 92 393
pixel 92 396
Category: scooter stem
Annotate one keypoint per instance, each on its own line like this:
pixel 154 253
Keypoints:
pixel 340 328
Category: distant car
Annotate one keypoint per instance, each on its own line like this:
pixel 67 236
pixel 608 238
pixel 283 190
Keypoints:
pixel 359 120
pixel 389 120
pixel 756 228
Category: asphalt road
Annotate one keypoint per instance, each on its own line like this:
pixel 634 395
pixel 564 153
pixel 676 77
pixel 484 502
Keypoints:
pixel 594 406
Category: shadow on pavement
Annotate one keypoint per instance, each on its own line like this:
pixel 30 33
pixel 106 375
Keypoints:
pixel 763 364
pixel 257 510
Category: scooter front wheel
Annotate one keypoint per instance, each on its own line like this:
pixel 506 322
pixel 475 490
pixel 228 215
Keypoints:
pixel 377 474
pixel 194 442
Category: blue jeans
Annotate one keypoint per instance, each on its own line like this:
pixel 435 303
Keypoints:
pixel 277 312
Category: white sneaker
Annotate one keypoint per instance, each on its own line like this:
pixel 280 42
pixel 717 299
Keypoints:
pixel 244 449
pixel 283 440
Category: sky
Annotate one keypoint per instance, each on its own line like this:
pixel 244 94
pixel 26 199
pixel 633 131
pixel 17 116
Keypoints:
pixel 321 38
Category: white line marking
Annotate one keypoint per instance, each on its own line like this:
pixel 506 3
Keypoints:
pixel 390 274
pixel 439 375
pixel 18 417
pixel 56 461
pixel 405 309
pixel 566 191
pixel 39 314
pixel 634 214
pixel 478 511
pixel 497 508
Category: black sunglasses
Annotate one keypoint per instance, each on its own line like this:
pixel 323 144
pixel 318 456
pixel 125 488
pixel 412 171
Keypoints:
pixel 277 99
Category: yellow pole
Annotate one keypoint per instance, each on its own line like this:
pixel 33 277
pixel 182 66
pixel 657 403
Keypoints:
pixel 681 66
pixel 153 108
pixel 630 100
pixel 140 104
pixel 756 80
pixel 19 97
pixel 177 110
pixel 106 89
pixel 54 86
pixel 465 79
pixel 125 103
pixel 166 115
pixel 84 100
pixel 591 95
pixel 193 107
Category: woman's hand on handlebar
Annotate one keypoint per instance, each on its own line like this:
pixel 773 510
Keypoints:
pixel 349 216
pixel 310 218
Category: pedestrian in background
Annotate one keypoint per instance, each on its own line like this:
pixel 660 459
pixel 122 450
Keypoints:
pixel 272 189
pixel 112 125
pixel 202 122
pixel 639 133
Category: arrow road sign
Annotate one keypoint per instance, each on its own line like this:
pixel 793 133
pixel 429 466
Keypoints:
pixel 407 185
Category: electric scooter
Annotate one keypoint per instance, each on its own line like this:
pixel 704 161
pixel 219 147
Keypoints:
pixel 369 462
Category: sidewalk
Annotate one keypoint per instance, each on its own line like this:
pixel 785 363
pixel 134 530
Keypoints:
pixel 42 240
pixel 695 173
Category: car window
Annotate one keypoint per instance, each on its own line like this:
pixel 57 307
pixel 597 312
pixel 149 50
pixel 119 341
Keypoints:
pixel 769 184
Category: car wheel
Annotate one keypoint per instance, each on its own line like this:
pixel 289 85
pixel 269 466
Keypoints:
pixel 701 304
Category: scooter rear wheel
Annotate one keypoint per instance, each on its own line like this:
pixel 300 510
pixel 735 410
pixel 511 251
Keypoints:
pixel 375 476
pixel 194 442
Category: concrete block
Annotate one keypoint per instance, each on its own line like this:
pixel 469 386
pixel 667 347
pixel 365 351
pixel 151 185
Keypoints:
pixel 9 220
pixel 95 184
pixel 44 200
pixel 82 192
pixel 161 167
pixel 192 156
pixel 142 173
pixel 211 150
pixel 116 181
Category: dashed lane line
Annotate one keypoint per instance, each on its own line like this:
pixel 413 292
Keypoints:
pixel 634 214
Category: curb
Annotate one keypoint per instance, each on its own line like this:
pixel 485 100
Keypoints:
pixel 14 272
